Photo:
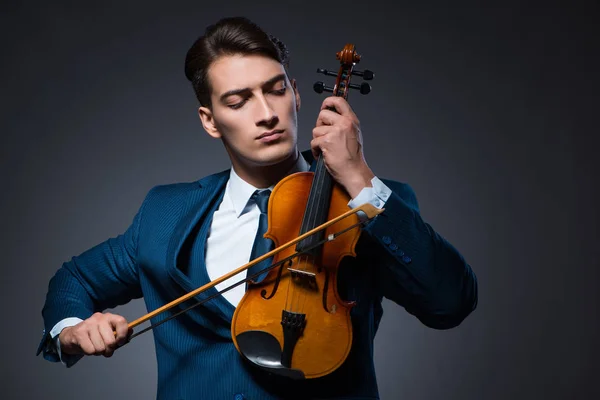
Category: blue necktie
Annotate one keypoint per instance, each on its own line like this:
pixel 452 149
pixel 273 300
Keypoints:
pixel 261 245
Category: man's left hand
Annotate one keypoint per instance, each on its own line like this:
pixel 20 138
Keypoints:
pixel 337 137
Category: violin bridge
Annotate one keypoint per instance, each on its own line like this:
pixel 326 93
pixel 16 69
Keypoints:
pixel 305 279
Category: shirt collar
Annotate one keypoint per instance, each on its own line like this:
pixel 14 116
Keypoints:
pixel 240 191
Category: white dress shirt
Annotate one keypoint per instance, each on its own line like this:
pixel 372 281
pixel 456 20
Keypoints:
pixel 231 234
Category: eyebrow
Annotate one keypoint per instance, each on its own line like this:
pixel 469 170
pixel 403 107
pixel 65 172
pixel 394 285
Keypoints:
pixel 268 82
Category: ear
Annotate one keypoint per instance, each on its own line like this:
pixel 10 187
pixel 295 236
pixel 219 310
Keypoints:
pixel 296 93
pixel 208 122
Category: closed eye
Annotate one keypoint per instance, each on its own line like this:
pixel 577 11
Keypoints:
pixel 279 91
pixel 237 105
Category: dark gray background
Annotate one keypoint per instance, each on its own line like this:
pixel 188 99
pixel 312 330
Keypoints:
pixel 489 113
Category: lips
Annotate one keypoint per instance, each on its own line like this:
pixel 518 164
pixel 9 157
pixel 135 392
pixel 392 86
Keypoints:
pixel 270 133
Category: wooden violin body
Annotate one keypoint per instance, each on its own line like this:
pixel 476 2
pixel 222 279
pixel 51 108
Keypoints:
pixel 293 322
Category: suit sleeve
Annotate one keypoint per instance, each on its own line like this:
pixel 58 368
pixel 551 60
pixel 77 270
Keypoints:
pixel 102 277
pixel 417 268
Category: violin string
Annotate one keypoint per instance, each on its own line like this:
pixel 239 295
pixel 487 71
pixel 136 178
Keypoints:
pixel 292 298
pixel 315 206
pixel 321 175
pixel 200 302
pixel 303 259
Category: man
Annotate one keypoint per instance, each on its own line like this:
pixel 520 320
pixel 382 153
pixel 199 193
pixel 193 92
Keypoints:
pixel 187 234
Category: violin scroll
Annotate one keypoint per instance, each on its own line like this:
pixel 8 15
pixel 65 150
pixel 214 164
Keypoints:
pixel 348 59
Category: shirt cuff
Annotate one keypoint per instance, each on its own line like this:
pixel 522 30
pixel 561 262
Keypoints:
pixel 67 359
pixel 376 195
pixel 65 323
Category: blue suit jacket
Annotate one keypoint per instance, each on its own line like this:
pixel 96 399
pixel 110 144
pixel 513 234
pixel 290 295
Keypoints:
pixel 399 256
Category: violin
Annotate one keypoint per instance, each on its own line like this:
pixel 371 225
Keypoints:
pixel 292 322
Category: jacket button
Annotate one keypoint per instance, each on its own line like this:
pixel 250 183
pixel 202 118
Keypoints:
pixel 386 240
pixel 406 259
pixel 393 246
pixel 239 396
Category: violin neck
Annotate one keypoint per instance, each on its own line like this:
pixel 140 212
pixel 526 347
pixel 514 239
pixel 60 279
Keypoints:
pixel 317 207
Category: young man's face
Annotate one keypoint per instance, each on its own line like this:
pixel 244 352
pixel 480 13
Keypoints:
pixel 254 110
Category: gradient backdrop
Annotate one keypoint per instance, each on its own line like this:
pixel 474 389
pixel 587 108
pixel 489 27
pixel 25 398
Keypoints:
pixel 489 113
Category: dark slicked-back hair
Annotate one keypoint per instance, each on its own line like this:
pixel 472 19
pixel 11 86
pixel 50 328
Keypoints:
pixel 228 36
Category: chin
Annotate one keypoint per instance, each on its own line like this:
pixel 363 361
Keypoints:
pixel 275 154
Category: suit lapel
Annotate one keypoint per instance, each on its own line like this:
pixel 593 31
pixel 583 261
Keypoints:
pixel 198 209
pixel 307 154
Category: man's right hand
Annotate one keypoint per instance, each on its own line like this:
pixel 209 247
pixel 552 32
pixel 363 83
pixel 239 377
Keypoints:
pixel 95 335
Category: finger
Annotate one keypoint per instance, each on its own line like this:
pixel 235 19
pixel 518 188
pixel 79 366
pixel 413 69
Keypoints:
pixel 318 146
pixel 121 328
pixel 314 147
pixel 321 131
pixel 339 104
pixel 327 117
pixel 129 333
pixel 86 345
pixel 96 339
pixel 328 136
pixel 108 337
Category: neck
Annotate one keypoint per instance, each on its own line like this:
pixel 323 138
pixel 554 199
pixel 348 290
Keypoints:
pixel 265 176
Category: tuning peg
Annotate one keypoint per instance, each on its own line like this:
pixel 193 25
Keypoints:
pixel 366 74
pixel 326 72
pixel 364 87
pixel 319 87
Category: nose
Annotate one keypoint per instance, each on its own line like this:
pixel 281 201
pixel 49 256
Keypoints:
pixel 266 115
